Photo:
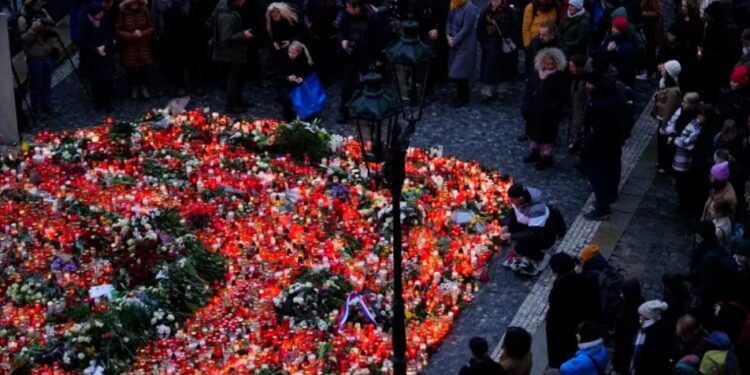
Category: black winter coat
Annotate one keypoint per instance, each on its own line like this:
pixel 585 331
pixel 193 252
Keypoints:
pixel 485 367
pixel 568 307
pixel 543 105
pixel 654 356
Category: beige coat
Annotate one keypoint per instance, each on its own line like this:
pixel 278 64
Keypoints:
pixel 727 194
pixel 514 366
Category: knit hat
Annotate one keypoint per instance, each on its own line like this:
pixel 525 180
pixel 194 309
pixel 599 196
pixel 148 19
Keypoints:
pixel 588 252
pixel 721 171
pixel 742 247
pixel 652 309
pixel 620 12
pixel 720 340
pixel 739 75
pixel 673 68
pixel 576 3
pixel 620 24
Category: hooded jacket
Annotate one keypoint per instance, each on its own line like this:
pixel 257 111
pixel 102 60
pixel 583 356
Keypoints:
pixel 590 357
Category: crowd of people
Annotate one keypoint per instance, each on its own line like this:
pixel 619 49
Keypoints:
pixel 598 321
pixel 581 61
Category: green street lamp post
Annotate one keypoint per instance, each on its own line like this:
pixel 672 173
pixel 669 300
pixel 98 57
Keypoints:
pixel 375 114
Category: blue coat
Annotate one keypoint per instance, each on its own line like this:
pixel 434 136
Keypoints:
pixel 461 27
pixel 582 363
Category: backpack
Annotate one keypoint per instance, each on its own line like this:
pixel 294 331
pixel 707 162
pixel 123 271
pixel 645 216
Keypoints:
pixel 558 221
pixel 610 285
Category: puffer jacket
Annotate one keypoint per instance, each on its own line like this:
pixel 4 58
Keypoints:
pixel 584 361
pixel 573 34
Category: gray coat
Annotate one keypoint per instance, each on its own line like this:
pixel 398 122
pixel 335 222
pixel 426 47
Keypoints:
pixel 229 42
pixel 462 27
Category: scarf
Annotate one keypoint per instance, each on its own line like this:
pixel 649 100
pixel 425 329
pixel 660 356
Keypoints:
pixel 455 4
pixel 97 23
pixel 543 74
pixel 576 14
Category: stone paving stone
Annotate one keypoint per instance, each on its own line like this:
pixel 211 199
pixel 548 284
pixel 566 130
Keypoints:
pixel 484 132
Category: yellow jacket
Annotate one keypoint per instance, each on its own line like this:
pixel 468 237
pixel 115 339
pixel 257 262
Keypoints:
pixel 531 24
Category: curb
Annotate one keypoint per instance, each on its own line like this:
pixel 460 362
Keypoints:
pixel 531 314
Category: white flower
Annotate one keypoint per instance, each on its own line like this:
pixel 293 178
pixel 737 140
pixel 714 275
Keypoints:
pixel 170 317
pixel 81 355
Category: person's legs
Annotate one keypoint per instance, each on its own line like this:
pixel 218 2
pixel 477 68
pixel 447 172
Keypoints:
pixel 598 177
pixel 350 74
pixel 46 86
pixel 536 154
pixel 613 181
pixel 36 82
pixel 235 82
pixel 462 92
pixel 546 160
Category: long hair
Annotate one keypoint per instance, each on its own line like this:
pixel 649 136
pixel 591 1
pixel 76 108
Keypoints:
pixel 298 45
pixel 552 53
pixel 286 11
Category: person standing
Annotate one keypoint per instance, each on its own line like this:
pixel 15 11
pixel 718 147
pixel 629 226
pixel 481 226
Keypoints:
pixel 618 48
pixel 666 103
pixel 627 324
pixel 721 190
pixel 654 341
pixel 653 30
pixel 283 27
pixel 685 114
pixel 362 39
pixel 97 56
pixel 544 100
pixel 574 30
pixel 592 357
pixel 603 142
pixel 229 48
pixel 516 354
pixel 546 38
pixel 462 41
pixel 535 14
pixel 684 143
pixel 135 29
pixel 568 307
pixel 499 51
pixel 480 362
pixel 39 50
pixel 320 20
pixel 578 101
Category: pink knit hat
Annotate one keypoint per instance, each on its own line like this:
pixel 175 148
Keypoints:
pixel 721 171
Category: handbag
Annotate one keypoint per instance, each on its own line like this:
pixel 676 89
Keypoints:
pixel 508 45
pixel 308 98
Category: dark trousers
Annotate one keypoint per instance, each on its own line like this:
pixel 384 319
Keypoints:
pixel 462 90
pixel 534 246
pixel 604 176
pixel 664 153
pixel 102 83
pixel 324 55
pixel 351 71
pixel 685 190
pixel 235 84
pixel 40 72
pixel 137 76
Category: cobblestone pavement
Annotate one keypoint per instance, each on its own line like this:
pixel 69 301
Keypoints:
pixel 657 240
pixel 484 132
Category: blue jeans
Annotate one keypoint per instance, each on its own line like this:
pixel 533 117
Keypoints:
pixel 40 87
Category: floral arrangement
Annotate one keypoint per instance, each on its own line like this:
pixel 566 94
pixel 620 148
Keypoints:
pixel 198 244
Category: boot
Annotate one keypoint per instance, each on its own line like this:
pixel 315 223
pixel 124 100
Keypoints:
pixel 545 163
pixel 534 157
pixel 144 92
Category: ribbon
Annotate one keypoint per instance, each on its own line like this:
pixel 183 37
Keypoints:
pixel 355 298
